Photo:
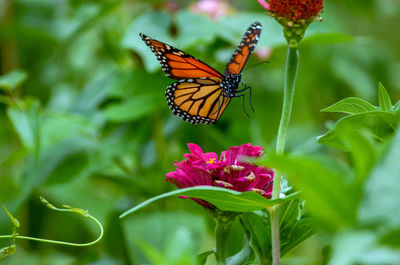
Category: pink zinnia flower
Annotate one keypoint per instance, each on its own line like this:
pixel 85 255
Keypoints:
pixel 231 171
pixel 293 10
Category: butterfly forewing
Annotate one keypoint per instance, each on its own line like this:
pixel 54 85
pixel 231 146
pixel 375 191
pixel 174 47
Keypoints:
pixel 198 100
pixel 178 64
pixel 244 50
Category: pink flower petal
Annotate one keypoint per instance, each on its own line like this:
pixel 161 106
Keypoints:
pixel 264 4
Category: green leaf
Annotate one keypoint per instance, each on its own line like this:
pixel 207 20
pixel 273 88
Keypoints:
pixel 12 218
pixel 361 146
pixel 397 106
pixel 155 25
pixel 8 251
pixel 384 99
pixel 382 189
pixel 72 124
pixel 326 254
pixel 259 228
pixel 360 247
pixel 25 122
pixel 176 235
pixel 302 230
pixel 132 109
pixel 379 125
pixel 200 30
pixel 224 199
pixel 202 258
pixel 322 38
pixel 357 79
pixel 68 169
pixel 324 185
pixel 362 151
pixel 294 227
pixel 391 238
pixel 350 105
pixel 12 79
pixel 93 93
pixel 244 256
pixel 38 170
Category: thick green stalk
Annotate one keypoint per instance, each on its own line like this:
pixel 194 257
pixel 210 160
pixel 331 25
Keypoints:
pixel 222 230
pixel 224 221
pixel 292 60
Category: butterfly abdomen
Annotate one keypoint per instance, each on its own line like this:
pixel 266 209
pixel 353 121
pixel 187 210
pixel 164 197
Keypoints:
pixel 230 84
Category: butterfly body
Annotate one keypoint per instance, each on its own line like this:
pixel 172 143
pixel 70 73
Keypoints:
pixel 201 93
pixel 230 84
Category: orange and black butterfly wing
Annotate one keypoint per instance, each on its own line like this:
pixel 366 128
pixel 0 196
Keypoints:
pixel 244 50
pixel 178 64
pixel 197 100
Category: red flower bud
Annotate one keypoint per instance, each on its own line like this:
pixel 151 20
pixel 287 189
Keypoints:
pixel 293 15
pixel 293 10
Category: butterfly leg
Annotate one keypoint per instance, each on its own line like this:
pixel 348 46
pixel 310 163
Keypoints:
pixel 244 108
pixel 251 105
pixel 239 96
pixel 245 87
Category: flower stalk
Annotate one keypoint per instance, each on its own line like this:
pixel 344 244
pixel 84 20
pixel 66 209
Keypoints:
pixel 292 62
pixel 295 17
pixel 223 227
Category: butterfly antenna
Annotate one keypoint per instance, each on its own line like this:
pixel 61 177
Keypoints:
pixel 255 65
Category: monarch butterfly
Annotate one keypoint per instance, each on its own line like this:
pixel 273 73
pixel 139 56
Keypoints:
pixel 201 93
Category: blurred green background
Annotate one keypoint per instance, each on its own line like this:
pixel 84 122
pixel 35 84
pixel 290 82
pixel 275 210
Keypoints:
pixel 89 125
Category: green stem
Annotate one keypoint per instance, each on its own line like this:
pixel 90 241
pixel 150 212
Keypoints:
pixel 61 242
pixel 292 62
pixel 224 221
pixel 52 207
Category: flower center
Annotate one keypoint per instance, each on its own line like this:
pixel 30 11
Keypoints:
pixel 211 161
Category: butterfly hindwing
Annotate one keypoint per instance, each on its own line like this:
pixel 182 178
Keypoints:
pixel 244 50
pixel 197 100
pixel 178 64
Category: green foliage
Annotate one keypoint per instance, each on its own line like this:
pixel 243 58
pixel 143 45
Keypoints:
pixel 259 229
pixel 83 121
pixel 177 241
pixel 381 187
pixel 295 227
pixel 244 257
pixel 351 106
pixel 12 80
pixel 384 99
pixel 379 122
pixel 324 184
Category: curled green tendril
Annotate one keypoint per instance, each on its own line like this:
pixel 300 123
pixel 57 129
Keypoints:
pixel 11 249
